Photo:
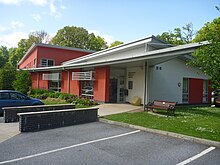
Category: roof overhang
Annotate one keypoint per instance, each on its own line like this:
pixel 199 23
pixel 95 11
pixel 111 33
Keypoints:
pixel 153 57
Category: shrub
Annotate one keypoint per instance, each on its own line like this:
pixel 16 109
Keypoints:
pixel 22 81
pixel 68 98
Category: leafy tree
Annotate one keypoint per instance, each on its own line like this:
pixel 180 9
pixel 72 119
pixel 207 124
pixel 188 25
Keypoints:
pixel 7 76
pixel 13 59
pixel 22 81
pixel 78 37
pixel 95 43
pixel 3 56
pixel 207 58
pixel 25 44
pixel 116 43
pixel 179 36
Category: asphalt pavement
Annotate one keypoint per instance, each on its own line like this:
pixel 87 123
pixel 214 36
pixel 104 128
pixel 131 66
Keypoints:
pixel 101 143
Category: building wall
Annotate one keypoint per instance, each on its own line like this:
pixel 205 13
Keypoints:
pixel 58 55
pixel 136 75
pixel 165 77
pixel 64 82
pixel 101 84
pixel 34 80
pixel 29 62
pixel 43 84
pixel 75 86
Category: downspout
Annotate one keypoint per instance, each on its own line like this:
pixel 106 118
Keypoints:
pixel 145 83
pixel 68 83
pixel 37 79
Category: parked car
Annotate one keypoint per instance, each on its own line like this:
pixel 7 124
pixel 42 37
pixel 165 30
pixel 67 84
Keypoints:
pixel 10 98
pixel 216 98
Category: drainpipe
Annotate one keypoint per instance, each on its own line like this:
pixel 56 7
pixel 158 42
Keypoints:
pixel 145 83
pixel 37 79
pixel 68 83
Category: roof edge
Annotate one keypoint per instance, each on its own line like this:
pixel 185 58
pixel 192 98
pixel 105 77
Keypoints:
pixel 34 45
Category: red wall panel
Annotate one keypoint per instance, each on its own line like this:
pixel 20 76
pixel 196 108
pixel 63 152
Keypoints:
pixel 75 86
pixel 58 55
pixel 29 61
pixel 195 91
pixel 43 84
pixel 101 84
pixel 34 80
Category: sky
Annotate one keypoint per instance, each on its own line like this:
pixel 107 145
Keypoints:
pixel 123 20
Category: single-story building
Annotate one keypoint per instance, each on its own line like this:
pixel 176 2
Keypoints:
pixel 149 68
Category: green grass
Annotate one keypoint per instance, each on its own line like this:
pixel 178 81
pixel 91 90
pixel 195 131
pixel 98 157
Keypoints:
pixel 202 122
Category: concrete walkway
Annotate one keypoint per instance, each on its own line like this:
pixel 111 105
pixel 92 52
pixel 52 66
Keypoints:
pixel 8 130
pixel 109 109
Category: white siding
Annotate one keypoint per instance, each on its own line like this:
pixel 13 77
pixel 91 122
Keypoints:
pixel 164 82
pixel 138 82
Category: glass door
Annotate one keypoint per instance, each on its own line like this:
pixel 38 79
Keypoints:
pixel 185 91
pixel 205 91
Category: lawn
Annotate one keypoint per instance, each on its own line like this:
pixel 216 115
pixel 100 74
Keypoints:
pixel 202 122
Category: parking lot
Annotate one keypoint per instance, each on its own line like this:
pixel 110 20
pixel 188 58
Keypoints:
pixel 101 143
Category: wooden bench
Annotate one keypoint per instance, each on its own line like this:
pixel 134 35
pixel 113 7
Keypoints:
pixel 164 105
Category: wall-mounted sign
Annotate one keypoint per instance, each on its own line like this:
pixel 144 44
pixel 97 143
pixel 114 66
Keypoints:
pixel 131 74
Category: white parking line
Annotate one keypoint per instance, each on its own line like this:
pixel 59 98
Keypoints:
pixel 196 156
pixel 65 148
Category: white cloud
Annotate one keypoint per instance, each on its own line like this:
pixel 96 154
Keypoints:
pixel 108 38
pixel 39 2
pixel 63 7
pixel 16 24
pixel 10 2
pixel 11 40
pixel 2 28
pixel 36 17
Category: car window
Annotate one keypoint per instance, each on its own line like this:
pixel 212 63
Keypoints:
pixel 17 96
pixel 4 96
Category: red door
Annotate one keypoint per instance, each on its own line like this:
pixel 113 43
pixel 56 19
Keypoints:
pixel 195 91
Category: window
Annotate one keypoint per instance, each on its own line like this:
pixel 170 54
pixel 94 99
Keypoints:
pixel 185 90
pixel 35 63
pixel 46 62
pixel 4 96
pixel 205 91
pixel 130 84
pixel 17 96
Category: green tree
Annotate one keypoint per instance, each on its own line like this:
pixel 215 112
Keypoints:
pixel 25 44
pixel 207 58
pixel 179 36
pixel 7 76
pixel 78 37
pixel 3 56
pixel 22 81
pixel 116 43
pixel 13 59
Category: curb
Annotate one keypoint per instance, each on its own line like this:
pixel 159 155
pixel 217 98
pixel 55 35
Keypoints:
pixel 166 133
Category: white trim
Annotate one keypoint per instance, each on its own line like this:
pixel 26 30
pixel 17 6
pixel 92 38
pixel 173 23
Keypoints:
pixel 83 75
pixel 51 76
